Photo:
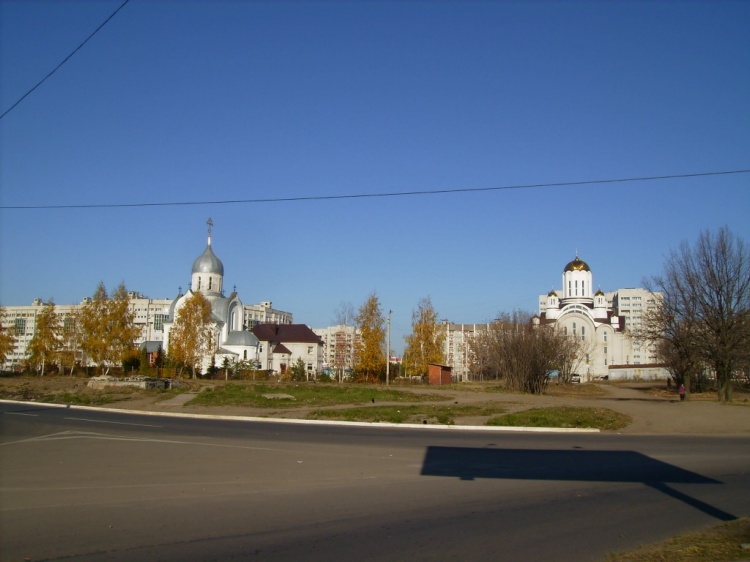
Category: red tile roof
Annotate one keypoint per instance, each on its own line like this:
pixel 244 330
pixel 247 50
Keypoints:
pixel 287 333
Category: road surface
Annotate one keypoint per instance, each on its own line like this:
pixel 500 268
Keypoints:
pixel 95 485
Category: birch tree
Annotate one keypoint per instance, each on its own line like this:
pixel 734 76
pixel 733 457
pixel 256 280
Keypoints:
pixel 192 336
pixel 369 360
pixel 72 336
pixel 45 343
pixel 108 326
pixel 425 344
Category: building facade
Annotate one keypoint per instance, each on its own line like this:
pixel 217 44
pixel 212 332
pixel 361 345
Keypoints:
pixel 282 345
pixel 154 317
pixel 339 347
pixel 459 351
pixel 604 322
pixel 232 341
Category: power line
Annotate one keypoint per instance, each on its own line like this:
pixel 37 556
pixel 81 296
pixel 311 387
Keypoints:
pixel 374 195
pixel 64 60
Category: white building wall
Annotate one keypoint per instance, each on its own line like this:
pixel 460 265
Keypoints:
pixel 149 316
pixel 458 350
pixel 264 313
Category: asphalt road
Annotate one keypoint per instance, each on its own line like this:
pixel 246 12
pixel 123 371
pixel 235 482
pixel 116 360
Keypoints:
pixel 95 485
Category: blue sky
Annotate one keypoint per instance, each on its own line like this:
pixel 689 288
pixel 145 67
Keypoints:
pixel 215 101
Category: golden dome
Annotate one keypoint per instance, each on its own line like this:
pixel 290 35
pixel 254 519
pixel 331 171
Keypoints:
pixel 552 294
pixel 599 293
pixel 577 265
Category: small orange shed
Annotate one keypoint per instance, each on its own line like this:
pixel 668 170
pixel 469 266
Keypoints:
pixel 439 374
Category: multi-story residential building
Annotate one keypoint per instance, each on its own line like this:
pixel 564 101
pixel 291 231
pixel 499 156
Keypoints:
pixel 264 313
pixel 458 350
pixel 339 345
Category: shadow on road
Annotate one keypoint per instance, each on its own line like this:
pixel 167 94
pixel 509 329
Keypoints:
pixel 567 465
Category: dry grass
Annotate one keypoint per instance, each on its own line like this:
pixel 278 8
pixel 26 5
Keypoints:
pixel 720 543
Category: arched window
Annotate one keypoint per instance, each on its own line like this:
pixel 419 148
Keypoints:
pixel 199 284
pixel 574 328
pixel 244 355
pixel 210 279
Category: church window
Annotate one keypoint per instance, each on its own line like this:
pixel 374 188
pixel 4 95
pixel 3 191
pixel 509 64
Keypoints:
pixel 244 355
pixel 583 332
pixel 605 337
pixel 199 284
pixel 210 280
pixel 574 328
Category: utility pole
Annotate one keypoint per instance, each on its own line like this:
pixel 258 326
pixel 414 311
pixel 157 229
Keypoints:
pixel 388 351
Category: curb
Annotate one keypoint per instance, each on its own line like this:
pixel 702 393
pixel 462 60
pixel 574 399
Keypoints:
pixel 313 422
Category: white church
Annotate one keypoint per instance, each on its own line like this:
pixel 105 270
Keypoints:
pixel 604 322
pixel 232 341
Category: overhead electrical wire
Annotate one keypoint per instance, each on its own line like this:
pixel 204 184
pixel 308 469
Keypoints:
pixel 78 48
pixel 372 195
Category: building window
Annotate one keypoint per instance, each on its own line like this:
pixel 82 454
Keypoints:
pixel 210 282
pixel 199 284
pixel 244 355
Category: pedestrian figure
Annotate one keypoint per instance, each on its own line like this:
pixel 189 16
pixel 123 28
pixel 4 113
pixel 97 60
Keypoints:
pixel 682 393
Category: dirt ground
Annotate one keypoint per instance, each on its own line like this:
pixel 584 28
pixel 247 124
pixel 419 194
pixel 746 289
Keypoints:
pixel 653 408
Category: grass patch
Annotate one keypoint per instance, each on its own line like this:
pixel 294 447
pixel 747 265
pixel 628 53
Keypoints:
pixel 721 542
pixel 405 414
pixel 84 398
pixel 303 395
pixel 565 416
pixel 579 390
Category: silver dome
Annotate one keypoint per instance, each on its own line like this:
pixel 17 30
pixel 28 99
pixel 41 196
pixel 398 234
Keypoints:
pixel 207 262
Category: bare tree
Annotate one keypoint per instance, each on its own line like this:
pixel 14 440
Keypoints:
pixel 571 350
pixel 706 303
pixel 344 314
pixel 514 350
pixel 672 327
